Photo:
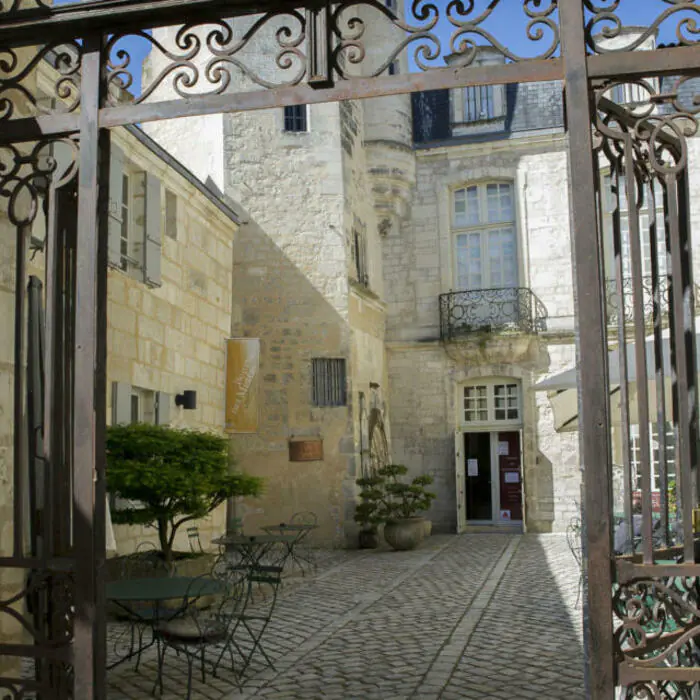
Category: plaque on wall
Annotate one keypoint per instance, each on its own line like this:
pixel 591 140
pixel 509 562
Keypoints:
pixel 310 450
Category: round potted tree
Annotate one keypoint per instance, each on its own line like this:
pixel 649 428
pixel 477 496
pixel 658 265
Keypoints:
pixel 400 505
pixel 167 477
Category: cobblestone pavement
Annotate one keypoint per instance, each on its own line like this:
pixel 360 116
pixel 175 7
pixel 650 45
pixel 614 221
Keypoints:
pixel 468 616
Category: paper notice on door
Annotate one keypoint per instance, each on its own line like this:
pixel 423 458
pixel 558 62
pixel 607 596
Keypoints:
pixel 503 449
pixel 472 467
pixel 512 478
pixel 505 515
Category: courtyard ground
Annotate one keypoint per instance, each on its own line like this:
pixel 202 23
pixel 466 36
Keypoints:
pixel 464 616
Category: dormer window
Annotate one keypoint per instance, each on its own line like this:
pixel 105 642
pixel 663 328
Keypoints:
pixel 478 106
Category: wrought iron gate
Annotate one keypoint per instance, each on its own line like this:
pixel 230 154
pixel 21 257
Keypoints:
pixel 54 145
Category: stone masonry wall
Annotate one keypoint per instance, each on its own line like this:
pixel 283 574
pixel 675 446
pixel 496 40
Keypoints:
pixel 418 267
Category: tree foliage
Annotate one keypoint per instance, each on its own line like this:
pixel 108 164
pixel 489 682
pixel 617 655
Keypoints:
pixel 170 476
pixel 385 497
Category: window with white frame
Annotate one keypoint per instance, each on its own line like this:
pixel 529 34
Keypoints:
pixel 644 220
pixel 493 401
pixel 479 107
pixel 636 449
pixel 484 234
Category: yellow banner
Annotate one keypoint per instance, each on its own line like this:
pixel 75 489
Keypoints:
pixel 242 377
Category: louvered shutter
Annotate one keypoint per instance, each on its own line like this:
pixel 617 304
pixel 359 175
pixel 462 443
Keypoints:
pixel 116 171
pixel 121 403
pixel 152 243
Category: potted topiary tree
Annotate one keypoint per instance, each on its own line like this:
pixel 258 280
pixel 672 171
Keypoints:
pixel 400 505
pixel 169 477
pixel 367 513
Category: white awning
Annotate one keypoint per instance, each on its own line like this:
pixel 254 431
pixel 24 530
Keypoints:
pixel 564 400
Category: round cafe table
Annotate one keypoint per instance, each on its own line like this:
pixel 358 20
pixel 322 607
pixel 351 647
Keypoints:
pixel 155 591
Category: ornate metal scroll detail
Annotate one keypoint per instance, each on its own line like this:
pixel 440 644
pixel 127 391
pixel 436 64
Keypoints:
pixel 26 170
pixel 56 589
pixel 19 77
pixel 468 27
pixel 659 690
pixel 203 58
pixel 612 299
pixel 206 58
pixel 505 310
pixel 605 31
pixel 658 123
pixel 659 624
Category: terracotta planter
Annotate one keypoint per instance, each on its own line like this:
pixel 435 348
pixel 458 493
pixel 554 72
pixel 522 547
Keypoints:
pixel 405 534
pixel 369 539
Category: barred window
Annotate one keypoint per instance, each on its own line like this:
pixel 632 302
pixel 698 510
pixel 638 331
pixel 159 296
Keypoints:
pixel 295 118
pixel 328 382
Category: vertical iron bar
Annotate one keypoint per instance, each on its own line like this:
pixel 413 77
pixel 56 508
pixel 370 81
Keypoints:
pixel 659 374
pixel 101 415
pixel 679 365
pixel 592 350
pixel 86 431
pixel 640 350
pixel 54 256
pixel 19 447
pixel 622 351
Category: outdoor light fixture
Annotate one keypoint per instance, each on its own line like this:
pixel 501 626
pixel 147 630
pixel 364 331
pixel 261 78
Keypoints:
pixel 187 399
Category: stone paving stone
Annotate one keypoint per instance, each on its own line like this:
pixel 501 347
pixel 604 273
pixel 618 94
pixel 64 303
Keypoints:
pixel 399 625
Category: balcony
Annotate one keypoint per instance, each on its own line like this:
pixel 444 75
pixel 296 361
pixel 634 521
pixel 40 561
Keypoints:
pixel 514 310
pixel 612 299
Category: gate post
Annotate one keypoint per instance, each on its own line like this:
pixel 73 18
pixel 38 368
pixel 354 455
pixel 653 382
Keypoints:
pixel 592 353
pixel 89 382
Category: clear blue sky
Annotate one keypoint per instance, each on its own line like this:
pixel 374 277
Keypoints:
pixel 508 24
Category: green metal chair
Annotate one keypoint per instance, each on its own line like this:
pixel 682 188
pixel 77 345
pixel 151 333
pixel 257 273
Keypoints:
pixel 202 625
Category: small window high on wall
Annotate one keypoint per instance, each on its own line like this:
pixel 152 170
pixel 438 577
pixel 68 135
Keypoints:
pixel 296 118
pixel 328 382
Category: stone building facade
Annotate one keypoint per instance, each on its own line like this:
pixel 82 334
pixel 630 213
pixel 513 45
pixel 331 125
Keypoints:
pixel 168 310
pixel 344 250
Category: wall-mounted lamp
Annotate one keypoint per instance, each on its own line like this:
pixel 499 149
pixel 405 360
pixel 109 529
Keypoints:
pixel 187 399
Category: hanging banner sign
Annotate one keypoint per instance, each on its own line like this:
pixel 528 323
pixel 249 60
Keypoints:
pixel 242 384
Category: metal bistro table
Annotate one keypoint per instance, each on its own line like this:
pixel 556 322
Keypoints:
pixel 296 533
pixel 127 592
pixel 253 548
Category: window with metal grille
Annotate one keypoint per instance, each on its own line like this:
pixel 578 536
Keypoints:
pixel 295 118
pixel 328 382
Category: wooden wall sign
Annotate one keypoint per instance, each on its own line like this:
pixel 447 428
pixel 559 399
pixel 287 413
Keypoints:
pixel 310 450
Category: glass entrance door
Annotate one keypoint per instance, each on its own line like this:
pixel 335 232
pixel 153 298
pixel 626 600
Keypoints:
pixel 479 480
pixel 493 476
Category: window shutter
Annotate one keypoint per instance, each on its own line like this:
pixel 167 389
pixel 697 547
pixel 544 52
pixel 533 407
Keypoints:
pixel 152 247
pixel 162 408
pixel 116 168
pixel 121 403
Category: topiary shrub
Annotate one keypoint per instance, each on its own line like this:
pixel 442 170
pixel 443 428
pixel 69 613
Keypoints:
pixel 171 476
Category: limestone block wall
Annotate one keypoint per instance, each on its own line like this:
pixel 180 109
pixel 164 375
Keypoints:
pixel 424 382
pixel 274 300
pixel 418 267
pixel 558 453
pixel 172 337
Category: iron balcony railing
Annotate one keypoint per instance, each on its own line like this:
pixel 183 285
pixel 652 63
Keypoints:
pixel 612 299
pixel 516 310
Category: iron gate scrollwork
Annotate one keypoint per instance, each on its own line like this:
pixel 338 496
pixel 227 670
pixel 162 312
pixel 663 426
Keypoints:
pixel 641 621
